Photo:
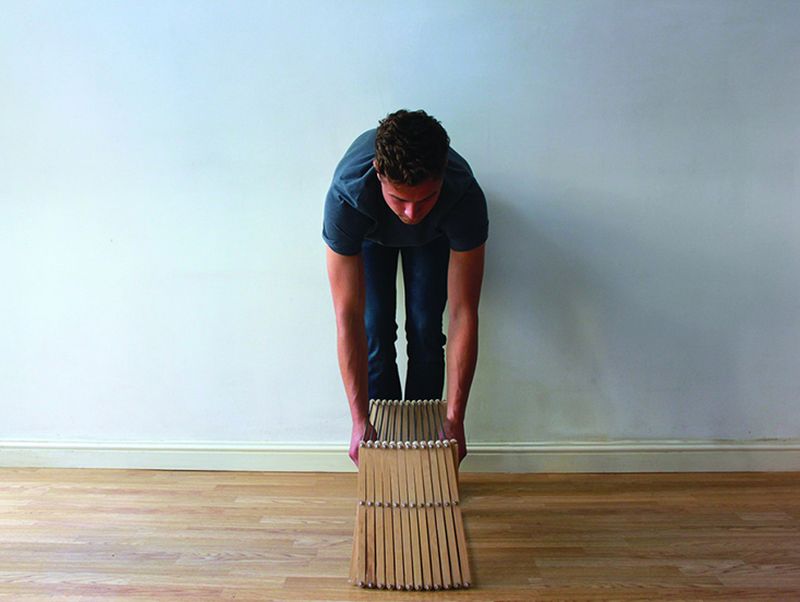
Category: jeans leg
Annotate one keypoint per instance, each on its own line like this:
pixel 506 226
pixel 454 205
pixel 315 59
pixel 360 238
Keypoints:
pixel 425 278
pixel 380 274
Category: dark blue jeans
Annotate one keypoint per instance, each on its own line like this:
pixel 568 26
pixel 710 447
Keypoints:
pixel 425 283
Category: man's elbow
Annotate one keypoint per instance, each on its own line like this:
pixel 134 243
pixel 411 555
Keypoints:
pixel 349 320
pixel 464 316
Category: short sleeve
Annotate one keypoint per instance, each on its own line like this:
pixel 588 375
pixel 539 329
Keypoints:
pixel 343 227
pixel 467 223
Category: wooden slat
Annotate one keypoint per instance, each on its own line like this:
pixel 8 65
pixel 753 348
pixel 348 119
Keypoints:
pixel 397 521
pixel 380 542
pixel 373 412
pixel 388 458
pixel 404 413
pixel 412 460
pixel 369 466
pixel 422 513
pixel 429 423
pixel 361 519
pixel 357 529
pixel 451 460
pixel 380 422
pixel 408 574
pixel 430 512
pixel 452 535
pixel 397 421
pixel 441 530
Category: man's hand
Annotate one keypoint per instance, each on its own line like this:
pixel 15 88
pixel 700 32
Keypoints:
pixel 362 431
pixel 454 429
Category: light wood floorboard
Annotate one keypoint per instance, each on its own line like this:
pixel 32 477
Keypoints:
pixel 88 534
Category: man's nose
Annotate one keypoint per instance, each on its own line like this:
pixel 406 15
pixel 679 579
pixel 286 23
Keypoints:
pixel 411 211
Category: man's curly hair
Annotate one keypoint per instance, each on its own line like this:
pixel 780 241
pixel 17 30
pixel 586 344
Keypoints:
pixel 411 147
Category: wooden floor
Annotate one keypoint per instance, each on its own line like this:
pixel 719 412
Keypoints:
pixel 68 534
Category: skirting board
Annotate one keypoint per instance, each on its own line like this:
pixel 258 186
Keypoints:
pixel 615 456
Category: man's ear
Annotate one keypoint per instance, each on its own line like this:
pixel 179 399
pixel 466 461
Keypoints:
pixel 377 169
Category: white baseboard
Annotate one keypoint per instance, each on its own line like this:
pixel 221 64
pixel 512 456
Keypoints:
pixel 614 456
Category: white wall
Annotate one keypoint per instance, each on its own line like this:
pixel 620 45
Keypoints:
pixel 163 167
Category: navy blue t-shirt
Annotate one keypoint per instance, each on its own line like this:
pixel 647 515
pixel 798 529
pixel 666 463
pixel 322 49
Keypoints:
pixel 355 208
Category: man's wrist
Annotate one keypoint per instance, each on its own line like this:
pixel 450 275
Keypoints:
pixel 455 413
pixel 360 420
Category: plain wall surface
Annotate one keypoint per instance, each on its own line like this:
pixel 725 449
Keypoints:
pixel 163 167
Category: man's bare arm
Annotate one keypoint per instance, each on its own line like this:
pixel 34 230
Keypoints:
pixel 465 276
pixel 346 276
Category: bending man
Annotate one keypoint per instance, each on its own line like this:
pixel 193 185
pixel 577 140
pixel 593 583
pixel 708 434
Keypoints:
pixel 400 190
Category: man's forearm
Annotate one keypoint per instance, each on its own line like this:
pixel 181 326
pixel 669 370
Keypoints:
pixel 462 357
pixel 352 351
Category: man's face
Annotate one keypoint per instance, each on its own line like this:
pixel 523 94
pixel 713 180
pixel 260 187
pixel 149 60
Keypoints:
pixel 410 203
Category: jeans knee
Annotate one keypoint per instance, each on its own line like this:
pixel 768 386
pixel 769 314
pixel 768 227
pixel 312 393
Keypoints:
pixel 425 339
pixel 381 338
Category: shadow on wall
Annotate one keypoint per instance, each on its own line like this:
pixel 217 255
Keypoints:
pixel 585 332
